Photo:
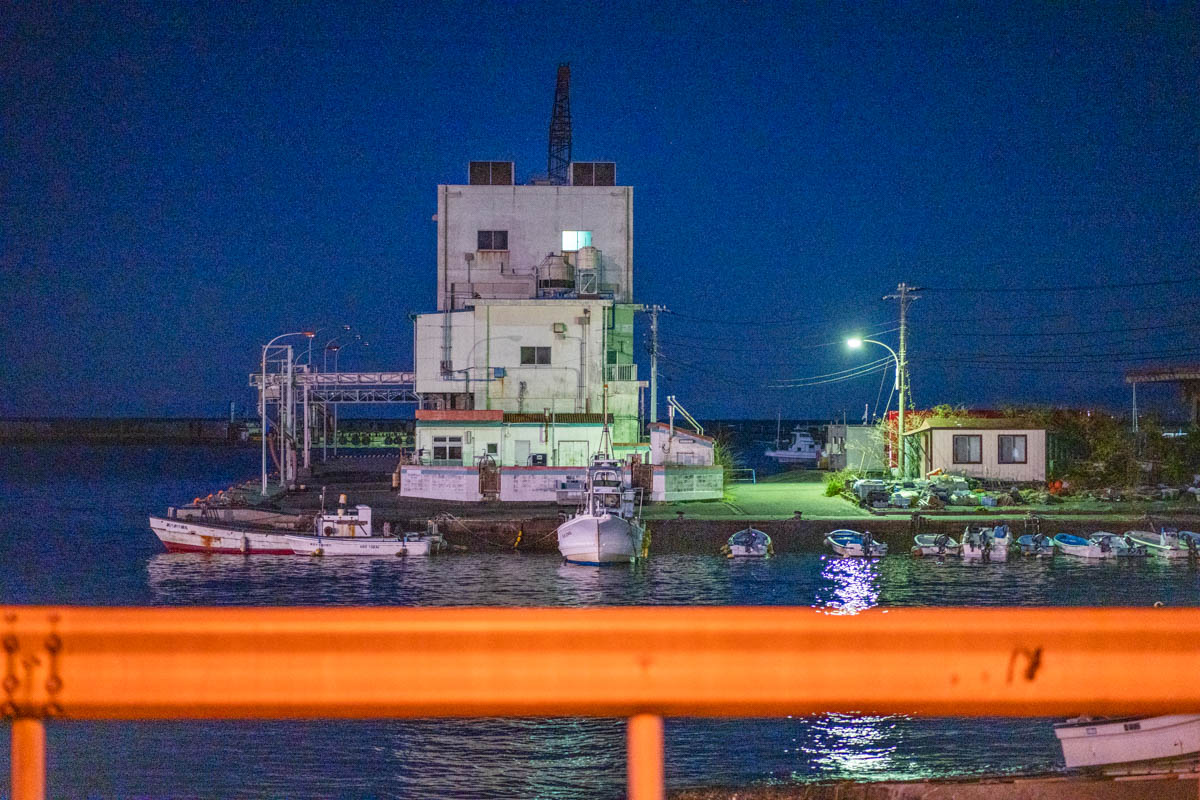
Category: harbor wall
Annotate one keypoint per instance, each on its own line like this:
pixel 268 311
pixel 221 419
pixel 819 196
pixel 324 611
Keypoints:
pixel 440 483
pixel 123 430
pixel 687 482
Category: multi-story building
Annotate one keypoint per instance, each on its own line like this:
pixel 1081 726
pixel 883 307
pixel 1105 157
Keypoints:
pixel 535 299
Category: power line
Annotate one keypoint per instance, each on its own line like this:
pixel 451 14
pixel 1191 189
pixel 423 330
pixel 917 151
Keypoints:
pixel 869 364
pixel 1057 289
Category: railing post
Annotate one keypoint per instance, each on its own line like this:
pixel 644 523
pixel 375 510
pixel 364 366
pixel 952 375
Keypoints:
pixel 644 737
pixel 28 759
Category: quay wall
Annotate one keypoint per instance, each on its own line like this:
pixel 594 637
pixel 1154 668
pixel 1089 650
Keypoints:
pixel 122 430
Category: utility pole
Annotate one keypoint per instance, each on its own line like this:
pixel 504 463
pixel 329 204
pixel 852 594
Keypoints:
pixel 905 294
pixel 654 312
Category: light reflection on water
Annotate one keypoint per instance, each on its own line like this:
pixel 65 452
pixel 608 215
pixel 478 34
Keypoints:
pixel 850 585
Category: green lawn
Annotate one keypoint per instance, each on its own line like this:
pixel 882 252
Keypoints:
pixel 775 497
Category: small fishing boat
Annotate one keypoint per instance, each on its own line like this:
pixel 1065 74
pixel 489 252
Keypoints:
pixel 1089 743
pixel 607 527
pixel 937 545
pixel 1167 543
pixel 855 545
pixel 1036 544
pixel 748 543
pixel 986 544
pixel 1099 546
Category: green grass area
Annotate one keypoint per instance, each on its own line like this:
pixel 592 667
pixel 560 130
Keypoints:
pixel 775 497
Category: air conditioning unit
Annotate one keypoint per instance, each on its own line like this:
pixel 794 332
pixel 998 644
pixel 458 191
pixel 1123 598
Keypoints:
pixel 560 328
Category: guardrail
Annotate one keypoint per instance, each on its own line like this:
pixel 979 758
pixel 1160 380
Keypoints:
pixel 640 663
pixel 743 475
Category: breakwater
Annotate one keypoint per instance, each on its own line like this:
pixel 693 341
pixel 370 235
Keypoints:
pixel 119 430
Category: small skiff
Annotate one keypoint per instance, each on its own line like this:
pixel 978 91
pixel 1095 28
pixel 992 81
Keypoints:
pixel 748 543
pixel 1167 543
pixel 1100 546
pixel 855 544
pixel 1036 544
pixel 986 544
pixel 936 545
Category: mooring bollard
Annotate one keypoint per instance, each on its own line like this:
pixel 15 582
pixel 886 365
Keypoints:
pixel 797 514
pixel 679 516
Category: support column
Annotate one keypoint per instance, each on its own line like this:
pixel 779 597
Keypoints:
pixel 28 759
pixel 644 737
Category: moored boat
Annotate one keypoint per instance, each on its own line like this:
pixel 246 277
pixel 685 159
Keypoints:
pixel 939 544
pixel 987 544
pixel 748 543
pixel 1100 546
pixel 1097 743
pixel 803 450
pixel 855 545
pixel 1036 544
pixel 406 544
pixel 607 528
pixel 1167 543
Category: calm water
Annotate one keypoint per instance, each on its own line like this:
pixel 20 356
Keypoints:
pixel 74 531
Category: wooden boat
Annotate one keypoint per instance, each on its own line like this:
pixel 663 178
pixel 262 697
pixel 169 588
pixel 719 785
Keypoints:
pixel 937 545
pixel 855 545
pixel 748 543
pixel 1167 543
pixel 607 528
pixel 1096 743
pixel 1036 544
pixel 986 544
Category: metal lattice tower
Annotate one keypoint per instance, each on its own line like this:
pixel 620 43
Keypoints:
pixel 560 129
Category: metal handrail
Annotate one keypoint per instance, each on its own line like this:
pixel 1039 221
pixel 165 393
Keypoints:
pixel 641 663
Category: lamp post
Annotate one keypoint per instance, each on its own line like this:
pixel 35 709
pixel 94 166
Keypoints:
pixel 263 405
pixel 333 346
pixel 857 342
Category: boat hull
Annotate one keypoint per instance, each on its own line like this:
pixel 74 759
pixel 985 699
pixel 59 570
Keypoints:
pixel 849 545
pixel 189 536
pixel 927 546
pixel 361 546
pixel 998 552
pixel 598 540
pixel 1161 546
pixel 1100 743
pixel 1044 548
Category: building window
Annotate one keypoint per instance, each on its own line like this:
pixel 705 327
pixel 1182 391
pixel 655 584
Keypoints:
pixel 968 449
pixel 493 448
pixel 493 240
pixel 447 448
pixel 535 355
pixel 576 240
pixel 1010 449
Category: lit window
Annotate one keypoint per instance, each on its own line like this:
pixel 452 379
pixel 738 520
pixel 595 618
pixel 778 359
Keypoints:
pixel 1010 449
pixel 493 240
pixel 535 355
pixel 576 240
pixel 968 449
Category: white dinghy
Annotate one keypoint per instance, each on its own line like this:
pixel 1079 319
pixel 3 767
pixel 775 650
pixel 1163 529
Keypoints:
pixel 936 545
pixel 853 544
pixel 986 544
pixel 1167 543
pixel 748 543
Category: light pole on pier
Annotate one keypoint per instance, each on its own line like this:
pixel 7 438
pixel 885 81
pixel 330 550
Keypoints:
pixel 857 342
pixel 263 406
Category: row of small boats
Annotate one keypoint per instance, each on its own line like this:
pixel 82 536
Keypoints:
pixel 993 543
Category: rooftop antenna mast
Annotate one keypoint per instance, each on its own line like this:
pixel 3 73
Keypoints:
pixel 559 158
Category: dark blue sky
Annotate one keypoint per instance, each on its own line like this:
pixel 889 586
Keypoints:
pixel 180 183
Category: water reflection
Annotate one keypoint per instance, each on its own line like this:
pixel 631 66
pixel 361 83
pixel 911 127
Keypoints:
pixel 849 585
pixel 850 745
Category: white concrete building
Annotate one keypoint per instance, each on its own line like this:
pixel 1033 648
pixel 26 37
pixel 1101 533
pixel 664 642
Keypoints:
pixel 534 298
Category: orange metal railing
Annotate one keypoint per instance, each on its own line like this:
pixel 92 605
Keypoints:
pixel 640 663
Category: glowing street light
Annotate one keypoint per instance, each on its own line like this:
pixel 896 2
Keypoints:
pixel 856 342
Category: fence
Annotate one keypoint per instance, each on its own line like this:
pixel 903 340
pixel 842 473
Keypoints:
pixel 639 663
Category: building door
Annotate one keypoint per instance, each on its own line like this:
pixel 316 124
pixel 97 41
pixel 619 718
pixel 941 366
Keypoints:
pixel 489 478
pixel 521 452
pixel 572 454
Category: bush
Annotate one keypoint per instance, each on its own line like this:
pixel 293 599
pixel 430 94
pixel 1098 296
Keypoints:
pixel 838 482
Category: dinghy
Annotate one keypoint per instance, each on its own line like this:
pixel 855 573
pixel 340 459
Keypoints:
pixel 855 545
pixel 748 543
pixel 1099 546
pixel 987 544
pixel 1167 543
pixel 1036 544
pixel 936 545
pixel 1097 743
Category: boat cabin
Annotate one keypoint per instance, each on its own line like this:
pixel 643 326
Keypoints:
pixel 345 522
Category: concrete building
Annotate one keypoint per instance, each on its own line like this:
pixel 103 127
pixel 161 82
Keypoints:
pixel 535 289
pixel 997 449
pixel 856 447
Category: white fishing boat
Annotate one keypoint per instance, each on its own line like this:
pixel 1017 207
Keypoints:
pixel 1097 743
pixel 748 543
pixel 1167 543
pixel 987 544
pixel 607 527
pixel 1100 546
pixel 936 545
pixel 406 544
pixel 853 544
pixel 803 450
pixel 1036 544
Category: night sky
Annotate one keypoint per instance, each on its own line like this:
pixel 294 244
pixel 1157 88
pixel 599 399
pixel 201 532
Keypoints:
pixel 182 182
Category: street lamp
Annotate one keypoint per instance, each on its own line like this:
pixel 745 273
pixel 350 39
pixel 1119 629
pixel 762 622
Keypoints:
pixel 333 346
pixel 854 343
pixel 263 398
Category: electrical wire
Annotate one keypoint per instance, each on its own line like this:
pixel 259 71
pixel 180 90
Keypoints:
pixel 1055 289
pixel 885 359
